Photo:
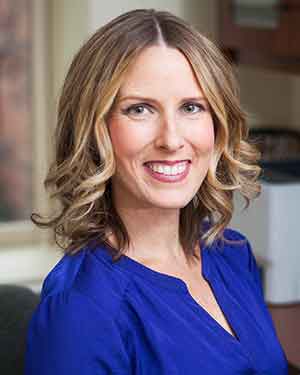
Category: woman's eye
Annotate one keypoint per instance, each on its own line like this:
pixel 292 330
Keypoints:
pixel 138 109
pixel 193 108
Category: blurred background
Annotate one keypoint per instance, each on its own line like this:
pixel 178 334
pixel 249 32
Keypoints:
pixel 38 39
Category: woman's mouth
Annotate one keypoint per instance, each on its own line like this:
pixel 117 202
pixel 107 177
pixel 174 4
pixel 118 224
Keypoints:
pixel 168 173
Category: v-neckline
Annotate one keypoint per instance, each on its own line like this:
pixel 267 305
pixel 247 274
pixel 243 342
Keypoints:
pixel 235 337
pixel 177 284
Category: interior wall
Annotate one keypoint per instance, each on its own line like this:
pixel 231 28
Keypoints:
pixel 198 12
pixel 267 96
pixel 69 28
pixel 295 101
pixel 203 14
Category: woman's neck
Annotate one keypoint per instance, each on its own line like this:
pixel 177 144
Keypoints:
pixel 153 232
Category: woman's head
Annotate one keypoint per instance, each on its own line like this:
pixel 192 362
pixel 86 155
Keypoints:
pixel 109 66
pixel 160 115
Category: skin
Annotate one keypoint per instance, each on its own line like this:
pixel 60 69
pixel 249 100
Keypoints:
pixel 166 126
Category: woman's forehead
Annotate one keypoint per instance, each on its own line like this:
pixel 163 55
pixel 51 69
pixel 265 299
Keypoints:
pixel 160 70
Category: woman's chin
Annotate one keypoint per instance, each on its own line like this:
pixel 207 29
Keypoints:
pixel 175 202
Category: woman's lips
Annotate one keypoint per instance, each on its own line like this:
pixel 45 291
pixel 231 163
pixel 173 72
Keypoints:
pixel 167 162
pixel 167 177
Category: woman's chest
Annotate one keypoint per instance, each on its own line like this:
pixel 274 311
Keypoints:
pixel 201 291
pixel 176 333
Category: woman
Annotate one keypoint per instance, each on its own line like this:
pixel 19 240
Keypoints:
pixel 151 143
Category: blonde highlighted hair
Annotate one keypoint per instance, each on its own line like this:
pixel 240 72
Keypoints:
pixel 79 176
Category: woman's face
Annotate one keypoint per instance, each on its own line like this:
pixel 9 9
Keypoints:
pixel 160 116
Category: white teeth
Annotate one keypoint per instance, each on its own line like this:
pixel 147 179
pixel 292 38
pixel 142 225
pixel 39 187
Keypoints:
pixel 167 169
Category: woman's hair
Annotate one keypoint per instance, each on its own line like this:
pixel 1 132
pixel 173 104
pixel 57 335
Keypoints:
pixel 80 174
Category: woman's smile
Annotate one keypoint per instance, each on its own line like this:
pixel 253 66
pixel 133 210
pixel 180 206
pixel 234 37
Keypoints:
pixel 167 173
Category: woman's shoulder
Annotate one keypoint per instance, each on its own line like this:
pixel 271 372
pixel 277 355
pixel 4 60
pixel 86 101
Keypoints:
pixel 236 252
pixel 62 274
pixel 79 311
pixel 85 275
pixel 236 248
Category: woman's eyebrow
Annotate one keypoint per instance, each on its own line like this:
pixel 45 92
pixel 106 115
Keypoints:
pixel 136 97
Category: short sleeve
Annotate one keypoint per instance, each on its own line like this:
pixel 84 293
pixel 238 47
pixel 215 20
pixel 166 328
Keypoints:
pixel 69 334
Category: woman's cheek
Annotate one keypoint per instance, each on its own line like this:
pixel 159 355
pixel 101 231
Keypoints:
pixel 203 137
pixel 130 139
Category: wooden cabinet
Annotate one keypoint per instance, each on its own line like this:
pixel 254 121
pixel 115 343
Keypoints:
pixel 287 325
pixel 261 35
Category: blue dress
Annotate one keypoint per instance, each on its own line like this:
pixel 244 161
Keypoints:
pixel 97 318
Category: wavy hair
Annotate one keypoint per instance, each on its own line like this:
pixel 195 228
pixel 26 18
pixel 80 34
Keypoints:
pixel 79 176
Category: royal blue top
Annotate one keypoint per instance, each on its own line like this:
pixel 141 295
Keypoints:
pixel 96 317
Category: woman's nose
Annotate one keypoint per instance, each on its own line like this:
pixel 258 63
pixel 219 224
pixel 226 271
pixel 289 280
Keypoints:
pixel 169 135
